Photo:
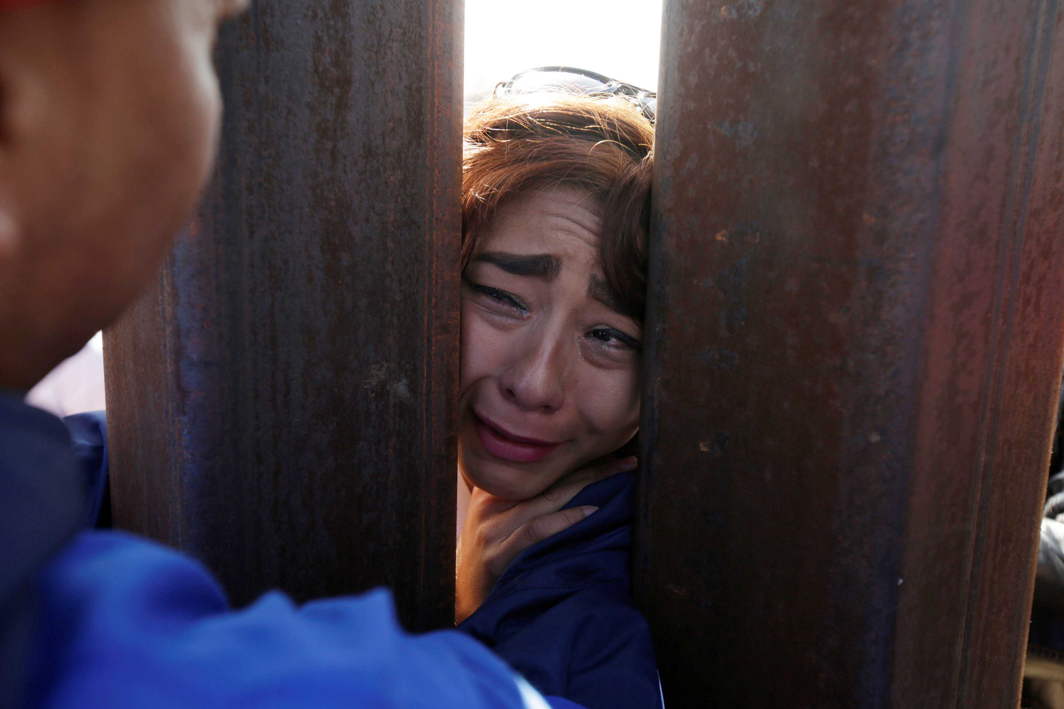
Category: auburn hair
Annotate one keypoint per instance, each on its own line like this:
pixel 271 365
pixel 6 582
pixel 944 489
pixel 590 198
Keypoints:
pixel 601 146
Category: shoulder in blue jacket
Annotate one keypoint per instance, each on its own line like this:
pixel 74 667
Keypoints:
pixel 106 619
pixel 128 623
pixel 41 508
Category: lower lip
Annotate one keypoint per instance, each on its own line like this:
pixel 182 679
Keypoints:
pixel 509 449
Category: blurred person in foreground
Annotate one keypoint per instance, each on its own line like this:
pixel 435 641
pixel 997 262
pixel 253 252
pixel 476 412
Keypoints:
pixel 109 115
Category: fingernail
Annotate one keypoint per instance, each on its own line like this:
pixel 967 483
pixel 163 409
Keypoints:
pixel 588 511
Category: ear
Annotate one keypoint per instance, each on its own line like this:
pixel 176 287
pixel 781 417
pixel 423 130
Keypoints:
pixel 8 226
pixel 8 223
pixel 10 63
pixel 23 100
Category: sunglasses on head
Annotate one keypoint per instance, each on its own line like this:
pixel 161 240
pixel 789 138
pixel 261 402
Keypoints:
pixel 580 82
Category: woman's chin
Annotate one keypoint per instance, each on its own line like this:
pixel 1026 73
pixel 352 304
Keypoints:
pixel 503 482
pixel 504 489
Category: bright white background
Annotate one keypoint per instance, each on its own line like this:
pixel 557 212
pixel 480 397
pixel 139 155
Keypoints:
pixel 618 38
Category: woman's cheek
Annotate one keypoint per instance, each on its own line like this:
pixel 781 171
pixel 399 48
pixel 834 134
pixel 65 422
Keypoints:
pixel 468 351
pixel 613 406
pixel 482 347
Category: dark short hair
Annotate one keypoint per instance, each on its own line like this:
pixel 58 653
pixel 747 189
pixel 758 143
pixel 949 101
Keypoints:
pixel 602 146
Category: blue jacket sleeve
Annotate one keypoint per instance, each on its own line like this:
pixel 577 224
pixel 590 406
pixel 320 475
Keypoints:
pixel 127 623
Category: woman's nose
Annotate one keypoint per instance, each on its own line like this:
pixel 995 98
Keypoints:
pixel 535 379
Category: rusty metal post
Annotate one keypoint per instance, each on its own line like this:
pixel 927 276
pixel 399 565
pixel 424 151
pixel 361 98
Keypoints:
pixel 855 336
pixel 282 404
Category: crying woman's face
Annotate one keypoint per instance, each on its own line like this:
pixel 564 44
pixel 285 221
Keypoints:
pixel 550 366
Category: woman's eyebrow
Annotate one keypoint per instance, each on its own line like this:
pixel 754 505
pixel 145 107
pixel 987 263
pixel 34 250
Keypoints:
pixel 542 266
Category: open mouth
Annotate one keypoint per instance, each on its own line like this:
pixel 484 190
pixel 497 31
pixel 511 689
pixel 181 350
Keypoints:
pixel 510 447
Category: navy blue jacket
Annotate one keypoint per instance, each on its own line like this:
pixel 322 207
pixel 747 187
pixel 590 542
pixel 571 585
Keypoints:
pixel 41 508
pixel 105 619
pixel 562 614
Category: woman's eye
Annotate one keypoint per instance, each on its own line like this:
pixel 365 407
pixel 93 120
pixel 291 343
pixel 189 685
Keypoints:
pixel 615 338
pixel 498 296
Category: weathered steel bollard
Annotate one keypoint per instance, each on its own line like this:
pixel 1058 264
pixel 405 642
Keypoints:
pixel 282 404
pixel 855 334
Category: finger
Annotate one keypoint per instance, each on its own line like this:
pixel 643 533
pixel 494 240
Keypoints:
pixel 563 491
pixel 576 481
pixel 499 519
pixel 618 465
pixel 540 528
pixel 487 504
pixel 604 468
